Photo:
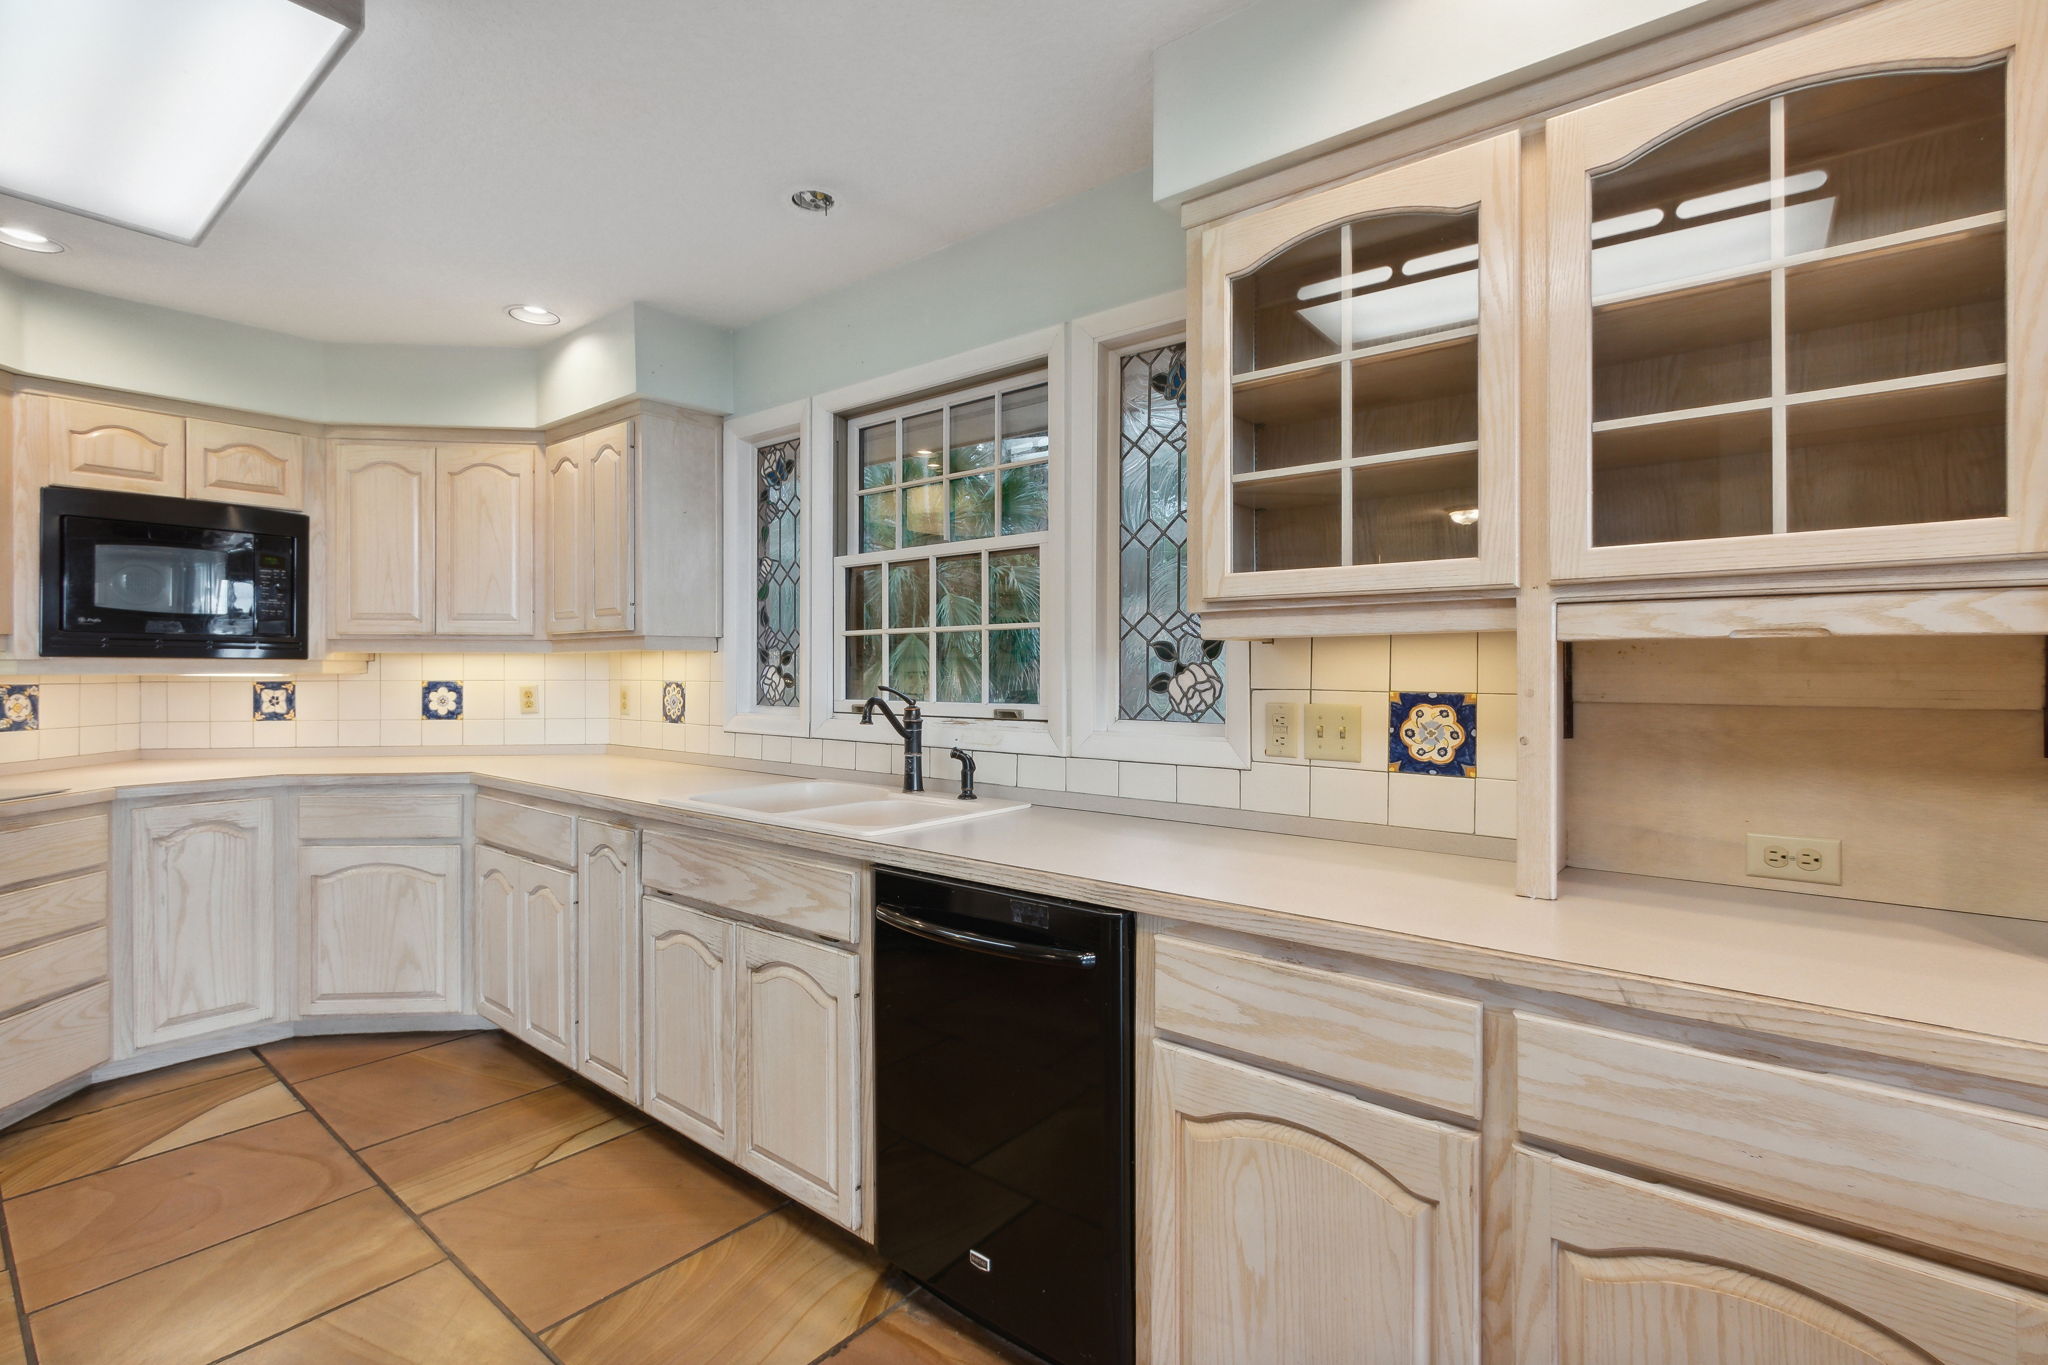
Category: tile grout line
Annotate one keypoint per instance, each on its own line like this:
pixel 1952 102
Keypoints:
pixel 241 1351
pixel 357 1066
pixel 520 1175
pixel 28 1341
pixel 667 1266
pixel 256 1064
pixel 857 1333
pixel 419 1223
pixel 168 1151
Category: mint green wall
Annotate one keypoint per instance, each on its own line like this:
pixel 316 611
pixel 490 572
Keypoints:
pixel 681 360
pixel 10 320
pixel 1103 247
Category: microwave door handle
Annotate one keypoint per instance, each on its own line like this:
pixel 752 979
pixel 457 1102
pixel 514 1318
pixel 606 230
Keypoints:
pixel 982 943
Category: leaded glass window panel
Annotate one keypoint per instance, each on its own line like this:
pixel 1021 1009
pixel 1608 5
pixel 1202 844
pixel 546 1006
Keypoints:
pixel 777 574
pixel 1166 670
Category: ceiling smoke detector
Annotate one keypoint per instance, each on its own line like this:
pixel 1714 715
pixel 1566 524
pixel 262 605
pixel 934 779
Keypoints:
pixel 813 201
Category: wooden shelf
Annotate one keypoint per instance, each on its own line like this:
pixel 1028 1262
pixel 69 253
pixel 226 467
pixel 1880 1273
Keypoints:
pixel 1937 303
pixel 1288 420
pixel 1307 486
pixel 1898 455
pixel 1700 346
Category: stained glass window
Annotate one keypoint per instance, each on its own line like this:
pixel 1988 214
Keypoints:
pixel 777 574
pixel 1166 670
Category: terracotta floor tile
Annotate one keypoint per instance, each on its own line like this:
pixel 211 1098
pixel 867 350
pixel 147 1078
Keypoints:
pixel 34 1157
pixel 435 1318
pixel 374 1103
pixel 90 1232
pixel 561 1238
pixel 301 1059
pixel 107 1094
pixel 220 1300
pixel 778 1292
pixel 926 1332
pixel 451 1160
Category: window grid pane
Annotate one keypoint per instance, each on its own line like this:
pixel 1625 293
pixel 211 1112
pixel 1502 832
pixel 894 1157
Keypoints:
pixel 777 575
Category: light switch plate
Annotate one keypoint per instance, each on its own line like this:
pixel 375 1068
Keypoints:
pixel 529 699
pixel 1795 858
pixel 1283 730
pixel 1332 733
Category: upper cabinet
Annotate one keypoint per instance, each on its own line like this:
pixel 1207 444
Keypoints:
pixel 131 450
pixel 1356 387
pixel 591 576
pixel 228 463
pixel 1785 292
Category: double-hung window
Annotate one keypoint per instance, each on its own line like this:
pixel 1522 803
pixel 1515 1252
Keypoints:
pixel 946 522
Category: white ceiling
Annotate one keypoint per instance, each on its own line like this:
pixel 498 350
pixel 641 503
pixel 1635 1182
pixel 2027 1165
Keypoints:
pixel 583 154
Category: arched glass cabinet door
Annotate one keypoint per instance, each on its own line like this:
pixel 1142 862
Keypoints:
pixel 1781 327
pixel 1356 401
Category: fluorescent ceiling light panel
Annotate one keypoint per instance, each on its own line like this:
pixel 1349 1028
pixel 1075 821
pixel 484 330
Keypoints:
pixel 151 113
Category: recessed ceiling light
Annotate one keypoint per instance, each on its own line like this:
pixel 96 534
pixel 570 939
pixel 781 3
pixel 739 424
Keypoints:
pixel 813 201
pixel 533 313
pixel 27 240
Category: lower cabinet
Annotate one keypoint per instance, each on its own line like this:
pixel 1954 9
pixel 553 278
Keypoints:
pixel 380 929
pixel 55 1016
pixel 608 957
pixel 692 1052
pixel 1621 1271
pixel 204 918
pixel 526 950
pixel 1294 1223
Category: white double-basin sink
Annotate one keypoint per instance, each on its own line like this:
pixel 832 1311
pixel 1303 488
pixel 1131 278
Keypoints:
pixel 846 807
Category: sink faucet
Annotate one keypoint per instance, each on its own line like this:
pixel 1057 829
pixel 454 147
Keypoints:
pixel 911 727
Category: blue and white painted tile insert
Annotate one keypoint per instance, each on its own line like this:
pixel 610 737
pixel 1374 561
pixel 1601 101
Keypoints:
pixel 441 701
pixel 1435 734
pixel 673 702
pixel 276 701
pixel 20 706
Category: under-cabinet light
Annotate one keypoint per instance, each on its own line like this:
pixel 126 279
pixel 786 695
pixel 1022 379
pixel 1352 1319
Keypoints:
pixel 151 115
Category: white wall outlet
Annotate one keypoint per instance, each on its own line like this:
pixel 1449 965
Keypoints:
pixel 1795 858
pixel 625 700
pixel 1283 729
pixel 1333 733
pixel 529 699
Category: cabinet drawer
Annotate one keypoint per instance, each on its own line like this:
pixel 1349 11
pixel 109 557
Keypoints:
pixel 527 831
pixel 819 898
pixel 62 964
pixel 54 1042
pixel 1414 1044
pixel 31 853
pixel 1934 1171
pixel 380 814
pixel 37 912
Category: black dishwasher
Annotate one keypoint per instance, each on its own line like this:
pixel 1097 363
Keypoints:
pixel 1003 1109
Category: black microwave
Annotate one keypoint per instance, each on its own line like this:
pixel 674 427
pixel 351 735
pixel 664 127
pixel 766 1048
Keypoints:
pixel 127 576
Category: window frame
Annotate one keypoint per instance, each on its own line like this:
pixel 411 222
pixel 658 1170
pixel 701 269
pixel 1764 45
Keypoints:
pixel 744 437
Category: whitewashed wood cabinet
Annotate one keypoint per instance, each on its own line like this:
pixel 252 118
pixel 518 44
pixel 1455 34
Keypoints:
pixel 226 462
pixel 691 1047
pixel 204 908
pixel 380 929
pixel 381 539
pixel 608 956
pixel 1293 1223
pixel 495 925
pixel 120 449
pixel 484 540
pixel 526 951
pixel 592 569
pixel 801 1112
pixel 55 1016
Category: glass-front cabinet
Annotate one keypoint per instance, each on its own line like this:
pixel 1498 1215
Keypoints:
pixel 1357 386
pixel 1786 291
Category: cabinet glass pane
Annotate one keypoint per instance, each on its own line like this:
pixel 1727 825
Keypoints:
pixel 1289 309
pixel 1411 510
pixel 1892 459
pixel 1416 399
pixel 1934 307
pixel 1692 206
pixel 1699 478
pixel 1288 420
pixel 1411 275
pixel 1691 348
pixel 1289 522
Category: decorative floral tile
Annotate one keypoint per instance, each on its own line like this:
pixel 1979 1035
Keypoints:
pixel 277 701
pixel 1433 733
pixel 21 706
pixel 672 702
pixel 441 701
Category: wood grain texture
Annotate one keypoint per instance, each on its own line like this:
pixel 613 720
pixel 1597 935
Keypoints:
pixel 547 966
pixel 54 1042
pixel 40 912
pixel 374 1103
pixel 455 1159
pixel 1312 1020
pixel 925 1332
pixel 611 518
pixel 568 538
pixel 547 836
pixel 381 544
pixel 495 928
pixel 53 848
pixel 779 1290
pixel 484 539
pixel 435 1315
pixel 817 897
pixel 108 1094
pixel 1943 1174
pixel 219 1300
pixel 802 1098
pixel 77 1236
pixel 692 1022
pixel 203 917
pixel 1622 1271
pixel 380 930
pixel 380 813
pixel 607 957
pixel 121 449
pixel 1944 612
pixel 52 968
pixel 307 1056
pixel 1291 1222
pixel 1972 673
pixel 246 465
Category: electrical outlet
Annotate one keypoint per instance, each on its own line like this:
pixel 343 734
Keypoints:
pixel 1283 729
pixel 1333 733
pixel 1795 858
pixel 529 699
pixel 625 700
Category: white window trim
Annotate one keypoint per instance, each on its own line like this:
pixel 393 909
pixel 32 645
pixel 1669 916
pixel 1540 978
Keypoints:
pixel 825 433
pixel 1092 502
pixel 744 436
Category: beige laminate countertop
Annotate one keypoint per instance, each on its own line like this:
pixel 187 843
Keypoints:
pixel 1974 973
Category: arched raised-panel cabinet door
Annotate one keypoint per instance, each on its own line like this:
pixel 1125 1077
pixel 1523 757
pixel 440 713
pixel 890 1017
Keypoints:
pixel 568 550
pixel 1620 1272
pixel 484 537
pixel 800 1107
pixel 547 984
pixel 608 467
pixel 381 551
pixel 1786 289
pixel 692 1033
pixel 126 450
pixel 380 929
pixel 1293 1223
pixel 1355 424
pixel 246 465
pixel 204 906
pixel 497 929
pixel 608 957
